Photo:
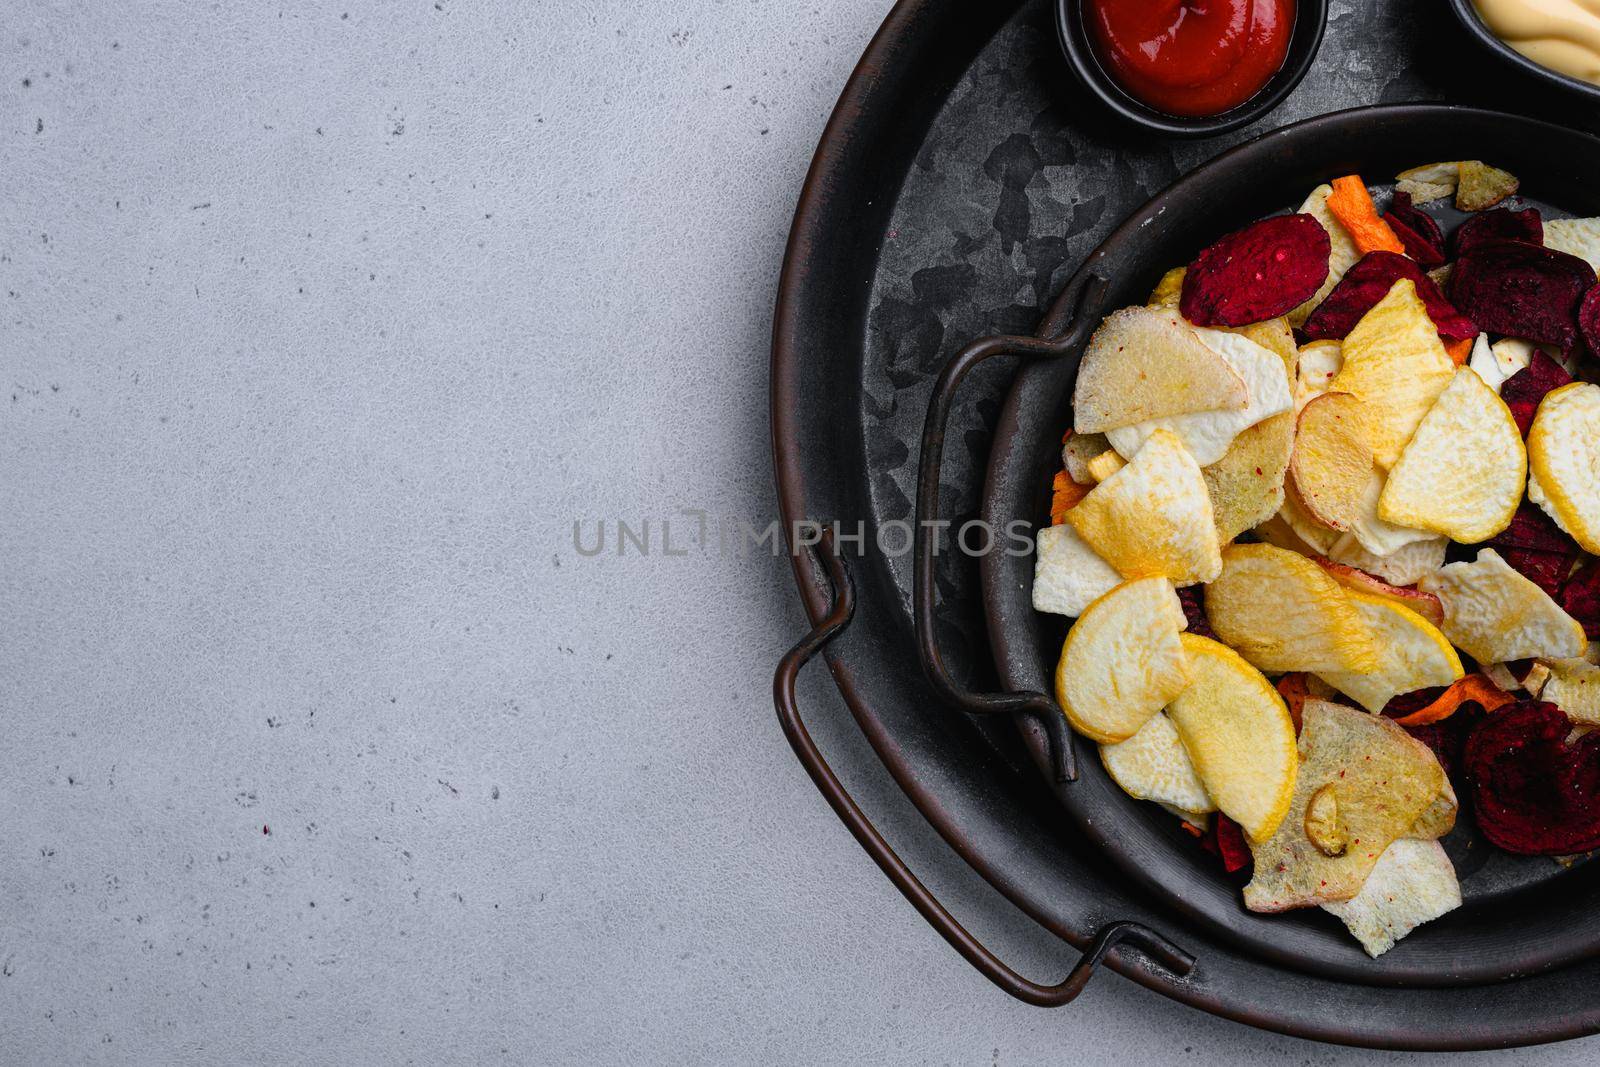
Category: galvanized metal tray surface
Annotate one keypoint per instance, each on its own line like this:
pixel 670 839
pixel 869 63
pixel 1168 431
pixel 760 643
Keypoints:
pixel 959 184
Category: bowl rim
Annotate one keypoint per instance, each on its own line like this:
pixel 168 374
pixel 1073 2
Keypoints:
pixel 1466 13
pixel 1305 41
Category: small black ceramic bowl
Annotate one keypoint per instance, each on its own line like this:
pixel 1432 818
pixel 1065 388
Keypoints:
pixel 1311 19
pixel 1469 17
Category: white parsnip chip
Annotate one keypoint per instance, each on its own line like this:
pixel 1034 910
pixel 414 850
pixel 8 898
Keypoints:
pixel 1412 883
pixel 1494 614
pixel 1067 575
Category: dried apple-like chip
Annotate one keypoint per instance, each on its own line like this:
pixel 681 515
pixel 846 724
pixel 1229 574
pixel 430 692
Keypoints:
pixel 1282 612
pixel 1412 655
pixel 1359 581
pixel 1208 434
pixel 1430 488
pixel 1237 731
pixel 1153 516
pixel 1395 364
pixel 1332 459
pixel 1382 779
pixel 1413 882
pixel 1342 253
pixel 1154 765
pixel 1406 565
pixel 1563 475
pixel 1147 363
pixel 1494 614
pixel 1122 660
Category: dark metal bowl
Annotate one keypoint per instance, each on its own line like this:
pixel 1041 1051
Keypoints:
pixel 1474 25
pixel 1523 914
pixel 1311 20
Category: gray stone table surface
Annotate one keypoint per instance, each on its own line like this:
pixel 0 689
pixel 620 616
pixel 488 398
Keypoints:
pixel 321 323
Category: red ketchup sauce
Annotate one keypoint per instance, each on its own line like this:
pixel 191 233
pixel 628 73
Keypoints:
pixel 1191 57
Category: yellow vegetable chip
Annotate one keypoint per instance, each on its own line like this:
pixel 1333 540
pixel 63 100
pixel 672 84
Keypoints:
pixel 1430 488
pixel 1153 517
pixel 1282 612
pixel 1395 364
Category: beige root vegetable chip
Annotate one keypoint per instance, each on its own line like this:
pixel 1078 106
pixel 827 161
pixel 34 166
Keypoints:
pixel 1078 450
pixel 1154 765
pixel 1577 237
pixel 1147 363
pixel 1431 488
pixel 1383 780
pixel 1342 253
pixel 1208 434
pixel 1573 685
pixel 1359 581
pixel 1412 654
pixel 1332 460
pixel 1067 575
pixel 1168 290
pixel 1237 731
pixel 1447 173
pixel 1373 533
pixel 1246 484
pixel 1424 192
pixel 1494 614
pixel 1153 516
pixel 1406 565
pixel 1481 186
pixel 1282 612
pixel 1413 882
pixel 1395 364
pixel 1311 534
pixel 1318 365
pixel 1122 660
pixel 1564 460
pixel 1439 818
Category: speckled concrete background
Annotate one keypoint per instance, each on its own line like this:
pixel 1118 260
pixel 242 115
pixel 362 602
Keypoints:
pixel 320 325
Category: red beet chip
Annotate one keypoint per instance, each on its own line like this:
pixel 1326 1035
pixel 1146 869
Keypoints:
pixel 1448 740
pixel 1417 246
pixel 1368 282
pixel 1547 570
pixel 1417 221
pixel 1580 597
pixel 1194 610
pixel 1524 389
pixel 1532 528
pixel 1534 794
pixel 1500 224
pixel 1589 319
pixel 1522 290
pixel 1267 269
pixel 1230 844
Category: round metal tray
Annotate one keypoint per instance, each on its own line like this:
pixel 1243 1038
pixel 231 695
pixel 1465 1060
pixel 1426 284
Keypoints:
pixel 960 181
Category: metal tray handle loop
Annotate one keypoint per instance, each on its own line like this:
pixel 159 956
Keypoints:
pixel 1160 951
pixel 1085 301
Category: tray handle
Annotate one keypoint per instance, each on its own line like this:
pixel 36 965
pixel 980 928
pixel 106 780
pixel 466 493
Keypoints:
pixel 1160 951
pixel 1083 298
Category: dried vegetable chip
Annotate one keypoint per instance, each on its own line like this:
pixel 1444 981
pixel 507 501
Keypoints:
pixel 1535 794
pixel 1262 271
pixel 1370 280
